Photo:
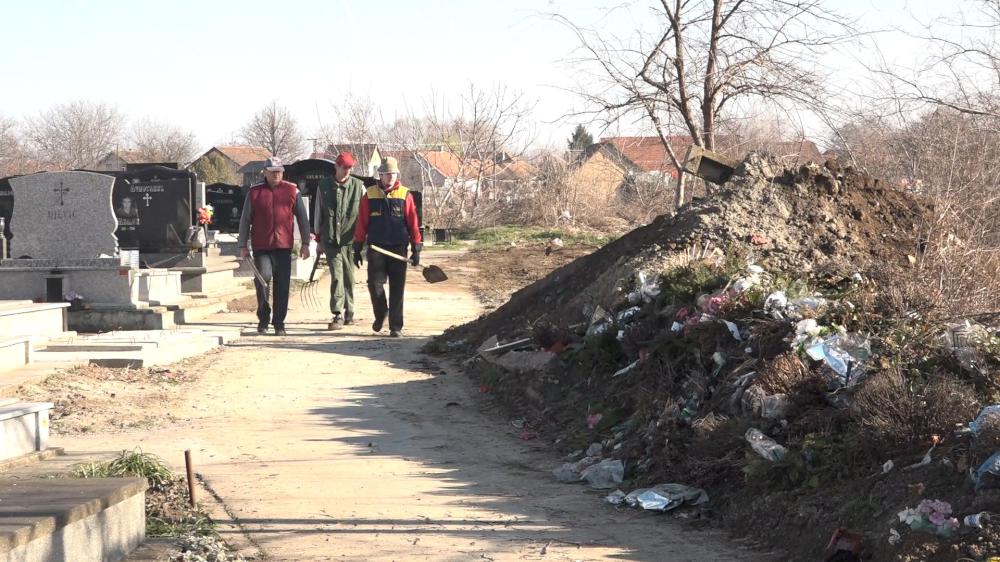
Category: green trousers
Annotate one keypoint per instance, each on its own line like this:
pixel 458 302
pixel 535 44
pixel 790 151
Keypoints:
pixel 339 260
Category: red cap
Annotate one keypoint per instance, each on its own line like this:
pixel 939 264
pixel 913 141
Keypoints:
pixel 345 159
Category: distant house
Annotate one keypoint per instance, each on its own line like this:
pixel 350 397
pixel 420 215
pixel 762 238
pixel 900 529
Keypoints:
pixel 430 170
pixel 608 166
pixel 119 160
pixel 244 162
pixel 366 155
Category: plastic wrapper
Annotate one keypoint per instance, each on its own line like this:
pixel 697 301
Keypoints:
pixel 846 354
pixel 615 498
pixel 989 416
pixel 765 446
pixel 573 471
pixel 666 497
pixel 604 475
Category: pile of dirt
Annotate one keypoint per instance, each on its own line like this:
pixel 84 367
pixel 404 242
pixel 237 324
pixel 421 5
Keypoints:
pixel 819 220
pixel 777 354
pixel 92 399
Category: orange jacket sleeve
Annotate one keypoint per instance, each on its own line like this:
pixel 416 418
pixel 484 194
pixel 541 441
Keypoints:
pixel 412 224
pixel 361 228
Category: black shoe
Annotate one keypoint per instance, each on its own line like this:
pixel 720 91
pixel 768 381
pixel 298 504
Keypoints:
pixel 394 334
pixel 336 324
pixel 280 332
pixel 262 328
pixel 377 324
pixel 349 318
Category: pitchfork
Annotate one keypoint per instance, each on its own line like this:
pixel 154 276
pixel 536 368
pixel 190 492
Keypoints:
pixel 309 294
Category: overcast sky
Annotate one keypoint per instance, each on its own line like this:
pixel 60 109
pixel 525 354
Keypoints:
pixel 207 66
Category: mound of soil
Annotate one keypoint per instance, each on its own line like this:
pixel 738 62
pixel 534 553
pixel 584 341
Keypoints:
pixel 823 221
pixel 672 388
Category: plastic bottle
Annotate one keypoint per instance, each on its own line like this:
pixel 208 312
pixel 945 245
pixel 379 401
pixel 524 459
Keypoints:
pixel 764 445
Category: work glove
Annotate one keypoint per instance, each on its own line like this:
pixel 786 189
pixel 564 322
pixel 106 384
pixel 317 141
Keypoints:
pixel 415 254
pixel 357 254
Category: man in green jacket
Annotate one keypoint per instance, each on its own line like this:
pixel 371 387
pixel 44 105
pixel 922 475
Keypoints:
pixel 338 206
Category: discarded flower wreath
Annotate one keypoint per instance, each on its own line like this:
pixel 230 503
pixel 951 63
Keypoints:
pixel 930 516
pixel 205 214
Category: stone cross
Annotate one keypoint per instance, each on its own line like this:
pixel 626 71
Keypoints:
pixel 62 191
pixel 147 198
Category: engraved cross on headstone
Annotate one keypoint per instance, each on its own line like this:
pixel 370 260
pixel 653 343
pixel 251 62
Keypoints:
pixel 61 190
pixel 147 198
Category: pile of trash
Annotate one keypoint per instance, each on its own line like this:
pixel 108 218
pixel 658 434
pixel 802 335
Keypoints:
pixel 773 377
pixel 821 221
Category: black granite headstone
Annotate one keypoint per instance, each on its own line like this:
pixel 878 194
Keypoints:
pixel 227 200
pixel 155 208
pixel 6 207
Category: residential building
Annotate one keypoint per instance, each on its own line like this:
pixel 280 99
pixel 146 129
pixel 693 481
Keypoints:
pixel 245 162
pixel 119 160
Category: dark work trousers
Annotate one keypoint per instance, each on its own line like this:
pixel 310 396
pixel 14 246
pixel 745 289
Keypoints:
pixel 380 268
pixel 275 267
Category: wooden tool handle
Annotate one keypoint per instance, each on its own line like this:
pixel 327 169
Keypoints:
pixel 386 252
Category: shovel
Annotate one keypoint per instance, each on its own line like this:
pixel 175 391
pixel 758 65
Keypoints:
pixel 432 273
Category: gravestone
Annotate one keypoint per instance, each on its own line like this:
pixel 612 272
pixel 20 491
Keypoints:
pixel 63 216
pixel 227 200
pixel 6 207
pixel 155 208
pixel 64 246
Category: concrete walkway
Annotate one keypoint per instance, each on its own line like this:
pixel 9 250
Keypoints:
pixel 346 446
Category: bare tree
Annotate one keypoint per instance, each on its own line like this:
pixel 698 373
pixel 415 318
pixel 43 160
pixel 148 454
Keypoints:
pixel 162 142
pixel 75 134
pixel 484 131
pixel 274 128
pixel 961 68
pixel 358 121
pixel 706 61
pixel 13 154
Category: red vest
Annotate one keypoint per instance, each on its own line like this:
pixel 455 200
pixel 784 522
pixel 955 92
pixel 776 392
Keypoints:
pixel 273 223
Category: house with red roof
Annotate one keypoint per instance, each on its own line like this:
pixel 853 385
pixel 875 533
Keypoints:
pixel 610 164
pixel 246 163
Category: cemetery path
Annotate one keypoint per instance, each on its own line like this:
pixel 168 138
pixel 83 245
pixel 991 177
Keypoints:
pixel 344 446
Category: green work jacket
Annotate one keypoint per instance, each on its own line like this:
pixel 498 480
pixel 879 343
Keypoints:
pixel 339 209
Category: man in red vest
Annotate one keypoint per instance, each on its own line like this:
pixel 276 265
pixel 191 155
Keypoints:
pixel 387 218
pixel 269 214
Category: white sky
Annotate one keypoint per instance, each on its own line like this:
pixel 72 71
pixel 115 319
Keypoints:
pixel 207 66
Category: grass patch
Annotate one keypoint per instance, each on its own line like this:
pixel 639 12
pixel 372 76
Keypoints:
pixel 168 513
pixel 504 235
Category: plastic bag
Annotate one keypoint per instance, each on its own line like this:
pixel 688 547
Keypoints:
pixel 765 446
pixel 606 474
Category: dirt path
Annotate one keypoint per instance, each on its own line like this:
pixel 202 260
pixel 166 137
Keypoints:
pixel 344 446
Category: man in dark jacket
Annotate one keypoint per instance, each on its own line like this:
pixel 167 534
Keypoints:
pixel 387 219
pixel 339 199
pixel 269 214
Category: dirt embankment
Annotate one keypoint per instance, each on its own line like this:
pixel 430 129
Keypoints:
pixel 676 377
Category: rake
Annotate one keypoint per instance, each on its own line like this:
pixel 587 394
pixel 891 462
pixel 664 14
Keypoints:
pixel 309 294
